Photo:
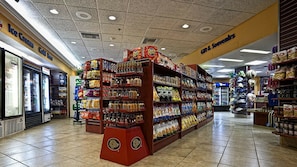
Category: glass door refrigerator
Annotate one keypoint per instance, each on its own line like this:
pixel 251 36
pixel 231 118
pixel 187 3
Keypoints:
pixel 221 96
pixel 32 101
pixel 11 93
pixel 46 95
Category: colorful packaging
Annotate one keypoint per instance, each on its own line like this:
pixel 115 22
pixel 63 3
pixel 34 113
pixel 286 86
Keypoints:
pixel 137 53
pixel 295 111
pixel 150 52
pixel 292 53
pixel 127 55
pixel 283 56
pixel 288 110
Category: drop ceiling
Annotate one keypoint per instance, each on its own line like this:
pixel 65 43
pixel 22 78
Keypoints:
pixel 136 20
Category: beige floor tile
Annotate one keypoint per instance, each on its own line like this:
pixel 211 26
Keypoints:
pixel 69 162
pixel 29 154
pixel 249 153
pixel 277 163
pixel 4 161
pixel 210 148
pixel 45 160
pixel 197 163
pixel 223 165
pixel 234 160
pixel 198 155
pixel 180 152
pixel 16 165
pixel 19 149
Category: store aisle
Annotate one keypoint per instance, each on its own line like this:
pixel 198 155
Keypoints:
pixel 228 141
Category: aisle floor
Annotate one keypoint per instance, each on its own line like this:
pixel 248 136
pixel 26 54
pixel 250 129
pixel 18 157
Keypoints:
pixel 227 141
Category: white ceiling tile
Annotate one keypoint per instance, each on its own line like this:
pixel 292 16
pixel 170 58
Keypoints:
pixel 82 3
pixel 62 24
pixel 111 37
pixel 156 33
pixel 44 9
pixel 49 1
pixel 131 30
pixel 185 1
pixel 210 3
pixel 95 43
pixel 251 6
pixel 103 15
pixel 68 41
pixel 178 35
pixel 199 37
pixel 83 26
pixel 129 46
pixel 228 17
pixel 177 43
pixel 173 9
pixel 117 45
pixel 138 20
pixel 163 22
pixel 147 7
pixel 132 39
pixel 116 5
pixel 96 54
pixel 112 28
pixel 93 12
pixel 69 34
pixel 200 13
pixel 216 29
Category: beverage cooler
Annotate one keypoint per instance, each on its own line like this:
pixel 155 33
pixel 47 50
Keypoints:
pixel 32 101
pixel 221 96
pixel 11 99
pixel 45 95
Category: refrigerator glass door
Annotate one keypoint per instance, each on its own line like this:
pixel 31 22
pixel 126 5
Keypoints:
pixel 1 86
pixel 27 90
pixel 35 92
pixel 45 93
pixel 13 85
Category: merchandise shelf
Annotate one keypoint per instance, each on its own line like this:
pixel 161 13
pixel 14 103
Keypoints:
pixel 188 130
pixel 164 84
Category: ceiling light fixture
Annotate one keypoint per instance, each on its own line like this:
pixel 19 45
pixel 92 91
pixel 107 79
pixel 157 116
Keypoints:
pixel 205 29
pixel 83 57
pixel 255 51
pixel 163 48
pixel 226 70
pixel 111 44
pixel 221 76
pixel 112 18
pixel 73 42
pixel 258 71
pixel 54 11
pixel 232 60
pixel 185 26
pixel 255 62
pixel 210 65
pixel 83 15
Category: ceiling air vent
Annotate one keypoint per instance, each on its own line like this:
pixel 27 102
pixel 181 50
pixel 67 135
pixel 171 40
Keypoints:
pixel 149 41
pixel 90 35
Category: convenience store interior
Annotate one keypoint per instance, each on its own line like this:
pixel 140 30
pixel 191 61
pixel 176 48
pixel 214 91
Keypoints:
pixel 82 31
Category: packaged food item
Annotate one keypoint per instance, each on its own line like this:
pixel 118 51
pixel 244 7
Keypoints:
pixel 275 58
pixel 292 53
pixel 127 55
pixel 288 110
pixel 137 53
pixel 280 74
pixel 150 52
pixel 95 103
pixel 290 73
pixel 94 65
pixel 283 56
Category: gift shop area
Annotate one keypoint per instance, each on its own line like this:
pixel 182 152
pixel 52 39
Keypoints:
pixel 148 83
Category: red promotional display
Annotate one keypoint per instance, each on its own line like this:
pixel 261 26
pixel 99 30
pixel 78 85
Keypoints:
pixel 123 146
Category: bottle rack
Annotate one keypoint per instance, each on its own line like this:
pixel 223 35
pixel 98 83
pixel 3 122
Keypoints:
pixel 97 77
pixel 171 109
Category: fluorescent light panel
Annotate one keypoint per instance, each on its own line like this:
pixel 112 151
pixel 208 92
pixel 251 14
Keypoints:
pixel 221 76
pixel 226 70
pixel 255 51
pixel 232 60
pixel 210 65
pixel 255 62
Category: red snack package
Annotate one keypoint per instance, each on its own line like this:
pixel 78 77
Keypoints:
pixel 137 53
pixel 150 52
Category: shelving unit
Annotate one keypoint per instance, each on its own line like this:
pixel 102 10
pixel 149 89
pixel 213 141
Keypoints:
pixel 58 94
pixel 97 78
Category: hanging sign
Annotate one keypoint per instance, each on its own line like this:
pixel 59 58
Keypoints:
pixel 216 44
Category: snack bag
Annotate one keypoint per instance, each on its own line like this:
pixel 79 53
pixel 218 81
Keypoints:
pixel 295 110
pixel 283 56
pixel 127 55
pixel 288 110
pixel 275 58
pixel 94 65
pixel 292 53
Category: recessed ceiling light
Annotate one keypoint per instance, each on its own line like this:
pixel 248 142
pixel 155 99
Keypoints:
pixel 83 15
pixel 205 29
pixel 54 11
pixel 73 42
pixel 233 60
pixel 210 65
pixel 226 70
pixel 111 44
pixel 83 57
pixel 185 26
pixel 256 62
pixel 112 18
pixel 163 48
pixel 255 51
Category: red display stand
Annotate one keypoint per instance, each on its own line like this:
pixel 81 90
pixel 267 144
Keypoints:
pixel 123 146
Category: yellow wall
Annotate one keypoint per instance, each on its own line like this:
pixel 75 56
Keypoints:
pixel 263 24
pixel 6 19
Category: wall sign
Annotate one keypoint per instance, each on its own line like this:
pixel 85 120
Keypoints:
pixel 45 53
pixel 216 44
pixel 20 35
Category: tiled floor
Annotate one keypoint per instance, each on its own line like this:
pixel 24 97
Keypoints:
pixel 228 141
